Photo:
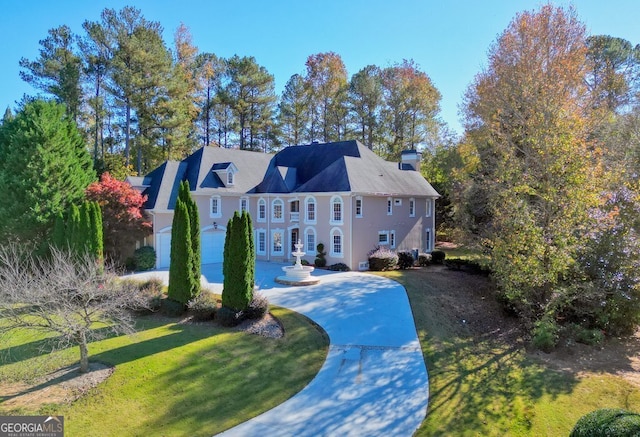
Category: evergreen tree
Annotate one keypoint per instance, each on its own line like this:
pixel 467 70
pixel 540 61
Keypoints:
pixel 59 235
pixel 239 264
pixel 96 235
pixel 74 229
pixel 181 266
pixel 45 166
pixel 194 222
pixel 251 264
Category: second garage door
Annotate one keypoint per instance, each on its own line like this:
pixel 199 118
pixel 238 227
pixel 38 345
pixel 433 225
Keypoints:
pixel 212 247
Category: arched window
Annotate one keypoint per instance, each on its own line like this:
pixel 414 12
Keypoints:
pixel 310 210
pixel 337 243
pixel 336 210
pixel 277 211
pixel 262 210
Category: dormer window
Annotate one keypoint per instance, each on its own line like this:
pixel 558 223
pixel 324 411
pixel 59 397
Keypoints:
pixel 226 171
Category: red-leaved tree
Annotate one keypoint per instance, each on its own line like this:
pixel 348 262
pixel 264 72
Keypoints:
pixel 123 218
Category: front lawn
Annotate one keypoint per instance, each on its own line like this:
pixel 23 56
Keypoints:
pixel 482 379
pixel 180 378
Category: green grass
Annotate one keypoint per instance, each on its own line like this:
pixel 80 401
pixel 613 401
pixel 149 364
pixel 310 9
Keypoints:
pixel 482 386
pixel 183 379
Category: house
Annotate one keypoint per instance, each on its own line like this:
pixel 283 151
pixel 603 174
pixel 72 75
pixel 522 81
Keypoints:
pixel 340 194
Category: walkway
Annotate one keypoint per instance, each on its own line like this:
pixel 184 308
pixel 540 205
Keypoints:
pixel 374 381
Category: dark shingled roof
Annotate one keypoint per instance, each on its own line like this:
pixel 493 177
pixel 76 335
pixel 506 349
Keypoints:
pixel 345 166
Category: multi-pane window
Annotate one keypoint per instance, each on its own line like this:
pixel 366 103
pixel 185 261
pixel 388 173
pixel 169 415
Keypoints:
pixel 383 237
pixel 262 210
pixel 412 207
pixel 244 204
pixel 215 207
pixel 392 239
pixel 261 247
pixel 427 244
pixel 277 248
pixel 337 244
pixel 310 246
pixel 429 207
pixel 310 210
pixel 359 207
pixel 336 210
pixel 389 206
pixel 229 178
pixel 277 208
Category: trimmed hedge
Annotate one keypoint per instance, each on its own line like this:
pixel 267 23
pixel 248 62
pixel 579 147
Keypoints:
pixel 607 422
pixel 144 258
pixel 320 260
pixel 382 259
pixel 438 256
pixel 203 307
pixel 339 267
pixel 405 259
pixel 229 317
pixel 424 259
pixel 258 307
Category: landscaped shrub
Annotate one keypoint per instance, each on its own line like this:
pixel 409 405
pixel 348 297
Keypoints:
pixel 238 267
pixel 585 335
pixel 607 422
pixel 467 265
pixel 228 316
pixel 152 291
pixel 438 256
pixel 144 258
pixel 320 260
pixel 172 308
pixel 304 262
pixel 405 259
pixel 424 259
pixel 258 307
pixel 203 307
pixel 545 334
pixel 339 267
pixel 381 259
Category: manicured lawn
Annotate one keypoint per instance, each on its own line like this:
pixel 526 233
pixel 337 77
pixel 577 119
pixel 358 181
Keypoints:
pixel 482 381
pixel 182 379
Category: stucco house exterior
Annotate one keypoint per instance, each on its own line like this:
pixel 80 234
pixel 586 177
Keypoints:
pixel 340 194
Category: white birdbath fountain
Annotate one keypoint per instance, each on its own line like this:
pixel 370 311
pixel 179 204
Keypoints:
pixel 297 274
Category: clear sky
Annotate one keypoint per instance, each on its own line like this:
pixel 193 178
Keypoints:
pixel 448 39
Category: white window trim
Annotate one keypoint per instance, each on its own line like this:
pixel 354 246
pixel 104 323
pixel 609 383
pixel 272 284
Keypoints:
pixel 310 250
pixel 392 239
pixel 389 206
pixel 307 200
pixel 245 199
pixel 333 232
pixel 429 206
pixel 273 210
pixel 397 202
pixel 266 242
pixel 282 242
pixel 336 200
pixel 230 178
pixel 386 235
pixel 428 246
pixel 219 202
pixel 412 207
pixel 359 199
pixel 266 211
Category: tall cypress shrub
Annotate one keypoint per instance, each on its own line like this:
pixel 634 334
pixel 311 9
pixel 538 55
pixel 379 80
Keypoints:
pixel 238 282
pixel 96 236
pixel 181 265
pixel 194 223
pixel 252 250
pixel 59 233
pixel 74 229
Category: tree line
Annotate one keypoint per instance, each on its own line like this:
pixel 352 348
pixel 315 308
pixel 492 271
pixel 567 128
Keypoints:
pixel 141 102
pixel 545 180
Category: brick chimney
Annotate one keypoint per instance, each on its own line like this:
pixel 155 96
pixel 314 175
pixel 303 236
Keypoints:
pixel 410 160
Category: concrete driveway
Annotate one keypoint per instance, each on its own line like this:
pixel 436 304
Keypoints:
pixel 374 381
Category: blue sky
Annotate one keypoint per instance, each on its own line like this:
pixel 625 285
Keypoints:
pixel 448 39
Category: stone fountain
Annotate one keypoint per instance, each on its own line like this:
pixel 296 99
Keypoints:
pixel 297 274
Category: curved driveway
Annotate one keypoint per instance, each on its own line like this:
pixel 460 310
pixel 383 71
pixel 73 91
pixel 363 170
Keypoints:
pixel 374 381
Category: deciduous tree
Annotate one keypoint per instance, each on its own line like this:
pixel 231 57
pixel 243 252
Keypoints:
pixel 124 221
pixel 63 296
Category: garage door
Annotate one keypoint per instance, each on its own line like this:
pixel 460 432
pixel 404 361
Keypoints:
pixel 212 247
pixel 163 251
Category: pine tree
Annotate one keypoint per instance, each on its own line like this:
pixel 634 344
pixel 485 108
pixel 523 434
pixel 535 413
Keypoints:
pixel 181 266
pixel 59 234
pixel 45 166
